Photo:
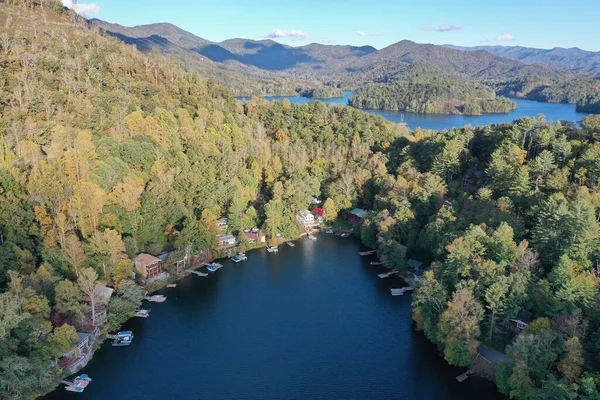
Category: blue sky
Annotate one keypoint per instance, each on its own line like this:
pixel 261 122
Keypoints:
pixel 532 23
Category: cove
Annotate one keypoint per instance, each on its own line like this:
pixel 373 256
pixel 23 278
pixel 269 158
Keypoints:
pixel 525 108
pixel 311 322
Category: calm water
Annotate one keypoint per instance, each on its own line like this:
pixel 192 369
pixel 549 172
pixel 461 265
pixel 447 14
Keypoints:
pixel 526 108
pixel 312 322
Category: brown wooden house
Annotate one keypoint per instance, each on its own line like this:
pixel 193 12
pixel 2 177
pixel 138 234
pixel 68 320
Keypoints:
pixel 148 266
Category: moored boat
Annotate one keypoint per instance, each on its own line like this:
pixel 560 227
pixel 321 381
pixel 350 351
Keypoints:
pixel 290 244
pixel 212 267
pixel 123 338
pixel 272 249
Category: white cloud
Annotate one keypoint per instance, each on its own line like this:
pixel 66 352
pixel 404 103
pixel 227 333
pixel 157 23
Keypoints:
pixel 363 33
pixel 505 37
pixel 292 34
pixel 84 9
pixel 446 28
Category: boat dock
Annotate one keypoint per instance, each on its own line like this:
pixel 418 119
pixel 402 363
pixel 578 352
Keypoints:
pixel 312 237
pixel 386 274
pixel 172 285
pixel 367 253
pixel 401 291
pixel 375 263
pixel 463 377
pixel 142 313
pixel 157 298
pixel 198 273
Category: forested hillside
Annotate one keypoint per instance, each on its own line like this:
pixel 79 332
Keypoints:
pixel 106 152
pixel 430 91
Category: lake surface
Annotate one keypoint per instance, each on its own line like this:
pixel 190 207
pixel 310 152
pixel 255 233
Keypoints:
pixel 526 108
pixel 312 322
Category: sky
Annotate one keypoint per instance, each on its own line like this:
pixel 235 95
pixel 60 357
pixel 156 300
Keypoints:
pixel 529 23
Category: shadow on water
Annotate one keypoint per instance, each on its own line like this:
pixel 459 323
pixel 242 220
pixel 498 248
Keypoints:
pixel 313 321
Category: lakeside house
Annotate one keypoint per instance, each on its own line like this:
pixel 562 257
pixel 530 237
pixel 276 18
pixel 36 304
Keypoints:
pixel 254 236
pixel 306 219
pixel 149 267
pixel 227 240
pixel 78 358
pixel 102 295
pixel 222 224
pixel 357 215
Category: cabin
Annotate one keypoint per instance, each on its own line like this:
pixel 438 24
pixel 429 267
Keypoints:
pixel 227 240
pixel 148 266
pixel 222 224
pixel 306 218
pixel 357 215
pixel 102 294
pixel 516 325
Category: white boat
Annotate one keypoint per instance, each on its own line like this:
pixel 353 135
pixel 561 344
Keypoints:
pixel 329 231
pixel 312 237
pixel 345 235
pixel 272 249
pixel 290 244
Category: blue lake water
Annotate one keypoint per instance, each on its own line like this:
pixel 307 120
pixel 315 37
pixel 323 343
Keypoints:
pixel 312 322
pixel 525 108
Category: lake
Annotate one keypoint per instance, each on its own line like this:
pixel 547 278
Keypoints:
pixel 312 322
pixel 525 108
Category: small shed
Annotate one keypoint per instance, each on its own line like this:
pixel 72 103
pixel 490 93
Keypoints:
pixel 147 265
pixel 516 325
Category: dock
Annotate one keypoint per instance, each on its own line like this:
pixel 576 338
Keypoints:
pixel 463 377
pixel 142 313
pixel 367 253
pixel 401 291
pixel 172 285
pixel 197 273
pixel 375 263
pixel 386 274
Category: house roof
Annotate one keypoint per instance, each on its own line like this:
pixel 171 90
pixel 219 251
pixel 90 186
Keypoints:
pixel 416 264
pixel 359 212
pixel 81 337
pixel 146 259
pixel 226 237
pixel 251 235
pixel 318 211
pixel 104 293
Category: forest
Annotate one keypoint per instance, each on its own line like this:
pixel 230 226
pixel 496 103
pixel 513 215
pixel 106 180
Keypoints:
pixel 432 94
pixel 106 152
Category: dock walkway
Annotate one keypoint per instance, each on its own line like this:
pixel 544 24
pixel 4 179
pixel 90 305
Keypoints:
pixel 198 273
pixel 367 253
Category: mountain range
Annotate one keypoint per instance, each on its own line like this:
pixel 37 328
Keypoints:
pixel 560 58
pixel 268 67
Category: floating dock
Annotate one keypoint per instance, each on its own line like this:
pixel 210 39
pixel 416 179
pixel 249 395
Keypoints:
pixel 157 298
pixel 142 313
pixel 375 263
pixel 463 377
pixel 367 253
pixel 290 244
pixel 401 291
pixel 312 237
pixel 386 274
pixel 172 285
pixel 197 273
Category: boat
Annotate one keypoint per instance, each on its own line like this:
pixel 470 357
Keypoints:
pixel 172 285
pixel 329 231
pixel 73 388
pixel 123 338
pixel 312 237
pixel 239 257
pixel 157 298
pixel 290 244
pixel 272 249
pixel 212 267
pixel 142 313
pixel 345 235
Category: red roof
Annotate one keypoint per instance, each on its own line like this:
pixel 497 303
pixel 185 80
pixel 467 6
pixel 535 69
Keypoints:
pixel 318 211
pixel 251 235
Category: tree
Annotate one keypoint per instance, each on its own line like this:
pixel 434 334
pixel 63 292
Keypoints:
pixel 330 210
pixel 495 298
pixel 74 253
pixel 571 364
pixel 459 328
pixel 68 298
pixel 87 281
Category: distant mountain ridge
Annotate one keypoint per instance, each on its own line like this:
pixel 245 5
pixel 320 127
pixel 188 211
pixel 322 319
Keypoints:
pixel 268 67
pixel 572 58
